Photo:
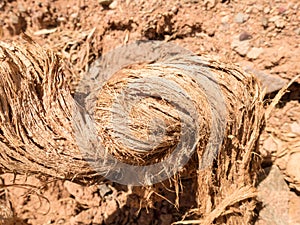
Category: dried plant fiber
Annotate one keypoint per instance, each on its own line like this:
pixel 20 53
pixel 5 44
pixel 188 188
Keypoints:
pixel 37 133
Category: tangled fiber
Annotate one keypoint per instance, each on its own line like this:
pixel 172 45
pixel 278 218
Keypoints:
pixel 36 106
pixel 38 134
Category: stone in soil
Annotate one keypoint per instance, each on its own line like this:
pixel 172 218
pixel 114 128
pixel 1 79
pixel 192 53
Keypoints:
pixel 294 209
pixel 241 18
pixel 278 21
pixel 264 22
pixel 105 2
pixel 254 53
pixel 270 82
pixel 104 190
pixel 245 36
pixel 274 193
pixel 241 47
pixel 295 127
pixel 113 5
pixel 293 170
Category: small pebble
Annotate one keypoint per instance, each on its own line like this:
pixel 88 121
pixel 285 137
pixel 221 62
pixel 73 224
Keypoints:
pixel 61 19
pixel 225 19
pixel 245 36
pixel 254 10
pixel 264 22
pixel 254 53
pixel 14 19
pixel 280 23
pixel 274 18
pixel 21 8
pixel 211 31
pixel 74 15
pixel 259 7
pixel 267 10
pixel 105 2
pixel 295 127
pixel 174 10
pixel 241 18
pixel 241 47
pixel 271 83
pixel 281 10
pixel 249 10
pixel 104 190
pixel 113 5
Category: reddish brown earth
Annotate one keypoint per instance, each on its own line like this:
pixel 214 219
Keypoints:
pixel 261 35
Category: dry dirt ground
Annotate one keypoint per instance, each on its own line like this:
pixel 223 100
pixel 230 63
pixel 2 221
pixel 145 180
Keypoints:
pixel 262 36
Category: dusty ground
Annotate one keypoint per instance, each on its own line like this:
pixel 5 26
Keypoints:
pixel 263 37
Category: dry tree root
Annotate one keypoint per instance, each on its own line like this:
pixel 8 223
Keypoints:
pixel 37 133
